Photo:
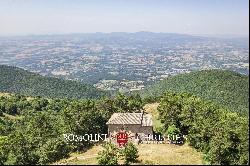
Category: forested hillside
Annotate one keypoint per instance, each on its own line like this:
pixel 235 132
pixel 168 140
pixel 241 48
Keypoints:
pixel 34 133
pixel 16 80
pixel 222 135
pixel 226 88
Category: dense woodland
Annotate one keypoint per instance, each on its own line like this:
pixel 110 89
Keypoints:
pixel 226 88
pixel 16 80
pixel 222 135
pixel 34 132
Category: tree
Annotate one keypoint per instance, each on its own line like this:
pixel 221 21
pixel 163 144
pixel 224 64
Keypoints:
pixel 121 103
pixel 135 103
pixel 130 153
pixel 173 132
pixel 4 150
pixel 39 103
pixel 170 109
pixel 220 134
pixel 11 108
pixel 109 156
pixel 21 150
pixel 53 150
pixel 1 112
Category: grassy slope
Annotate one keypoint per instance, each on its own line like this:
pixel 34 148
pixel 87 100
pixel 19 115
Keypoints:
pixel 160 154
pixel 169 154
pixel 16 80
pixel 227 88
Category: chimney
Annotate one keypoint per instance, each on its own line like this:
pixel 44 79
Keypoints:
pixel 142 116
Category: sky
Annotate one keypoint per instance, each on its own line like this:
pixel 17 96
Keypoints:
pixel 209 17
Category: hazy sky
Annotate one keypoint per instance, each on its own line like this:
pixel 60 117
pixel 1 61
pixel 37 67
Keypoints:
pixel 20 17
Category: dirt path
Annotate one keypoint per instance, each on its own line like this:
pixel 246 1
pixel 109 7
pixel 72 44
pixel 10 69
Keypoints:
pixel 82 157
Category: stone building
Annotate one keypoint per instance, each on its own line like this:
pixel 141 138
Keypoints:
pixel 139 125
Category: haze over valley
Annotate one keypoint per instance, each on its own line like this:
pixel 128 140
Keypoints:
pixel 123 61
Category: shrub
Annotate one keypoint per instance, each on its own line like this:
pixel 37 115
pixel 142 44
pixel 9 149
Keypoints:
pixel 173 132
pixel 130 153
pixel 109 156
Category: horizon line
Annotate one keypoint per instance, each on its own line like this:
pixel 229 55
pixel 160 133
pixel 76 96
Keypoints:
pixel 98 32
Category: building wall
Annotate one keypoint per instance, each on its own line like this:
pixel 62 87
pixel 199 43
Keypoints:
pixel 147 130
pixel 133 128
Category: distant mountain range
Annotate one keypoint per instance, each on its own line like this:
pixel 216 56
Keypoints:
pixel 16 80
pixel 142 37
pixel 226 88
pixel 138 34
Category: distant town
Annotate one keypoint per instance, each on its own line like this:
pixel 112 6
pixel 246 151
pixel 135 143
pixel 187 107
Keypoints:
pixel 123 61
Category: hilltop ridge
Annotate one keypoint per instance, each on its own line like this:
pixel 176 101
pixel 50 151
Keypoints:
pixel 16 80
pixel 223 87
